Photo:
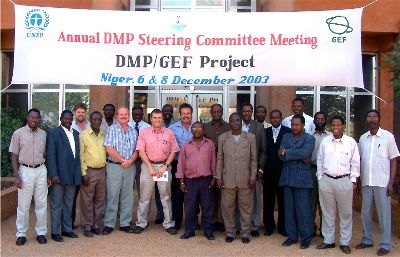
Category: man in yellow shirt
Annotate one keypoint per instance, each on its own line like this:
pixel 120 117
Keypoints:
pixel 93 189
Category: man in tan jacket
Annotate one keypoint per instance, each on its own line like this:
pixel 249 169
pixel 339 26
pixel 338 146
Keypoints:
pixel 236 175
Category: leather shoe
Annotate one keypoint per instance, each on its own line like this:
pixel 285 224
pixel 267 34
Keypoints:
pixel 254 233
pixel 138 230
pixel 283 233
pixel 324 246
pixel 229 239
pixel 107 230
pixel 171 231
pixel 187 236
pixel 305 244
pixel 96 231
pixel 57 238
pixel 345 249
pixel 245 240
pixel 158 221
pixel 41 239
pixel 289 242
pixel 87 233
pixel 20 240
pixel 210 237
pixel 69 234
pixel 363 246
pixel 126 229
pixel 382 252
pixel 268 232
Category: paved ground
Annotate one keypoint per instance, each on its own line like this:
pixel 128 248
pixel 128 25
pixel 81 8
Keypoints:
pixel 154 241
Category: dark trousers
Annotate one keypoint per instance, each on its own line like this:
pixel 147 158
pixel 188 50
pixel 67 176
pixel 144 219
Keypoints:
pixel 160 211
pixel 270 191
pixel 176 197
pixel 61 200
pixel 73 213
pixel 198 192
pixel 316 203
pixel 298 215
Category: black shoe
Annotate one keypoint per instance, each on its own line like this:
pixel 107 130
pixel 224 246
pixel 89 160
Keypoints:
pixel 305 244
pixel 41 239
pixel 138 230
pixel 324 246
pixel 254 233
pixel 198 227
pixel 20 240
pixel 237 232
pixel 363 246
pixel 171 231
pixel 158 221
pixel 126 229
pixel 289 242
pixel 245 240
pixel 57 238
pixel 69 234
pixel 283 233
pixel 107 230
pixel 268 232
pixel 187 235
pixel 229 239
pixel 210 237
pixel 96 231
pixel 314 234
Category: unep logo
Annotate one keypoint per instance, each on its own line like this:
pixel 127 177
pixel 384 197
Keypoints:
pixel 339 25
pixel 36 21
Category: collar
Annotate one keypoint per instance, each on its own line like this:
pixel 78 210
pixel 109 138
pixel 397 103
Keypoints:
pixel 379 133
pixel 325 132
pixel 341 140
pixel 66 130
pixel 30 130
pixel 161 130
pixel 90 130
pixel 278 128
pixel 222 122
pixel 191 141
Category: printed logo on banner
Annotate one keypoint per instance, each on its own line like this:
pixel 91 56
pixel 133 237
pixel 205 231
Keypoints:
pixel 36 22
pixel 339 25
pixel 178 25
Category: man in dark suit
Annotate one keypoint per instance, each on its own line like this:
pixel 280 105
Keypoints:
pixel 272 174
pixel 65 172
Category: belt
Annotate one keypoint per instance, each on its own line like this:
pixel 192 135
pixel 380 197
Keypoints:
pixel 157 162
pixel 337 177
pixel 110 161
pixel 32 166
pixel 95 168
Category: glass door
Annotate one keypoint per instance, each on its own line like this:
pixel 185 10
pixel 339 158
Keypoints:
pixel 202 105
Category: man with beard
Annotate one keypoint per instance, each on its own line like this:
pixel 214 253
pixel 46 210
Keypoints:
pixel 378 152
pixel 296 179
pixel 319 134
pixel 108 119
pixel 298 108
pixel 213 130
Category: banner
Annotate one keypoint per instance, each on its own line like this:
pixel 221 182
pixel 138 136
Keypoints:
pixel 122 48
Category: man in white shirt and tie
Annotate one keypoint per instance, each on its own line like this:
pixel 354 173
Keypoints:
pixel 338 167
pixel 378 152
pixel 298 108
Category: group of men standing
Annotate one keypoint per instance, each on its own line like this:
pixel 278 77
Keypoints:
pixel 220 168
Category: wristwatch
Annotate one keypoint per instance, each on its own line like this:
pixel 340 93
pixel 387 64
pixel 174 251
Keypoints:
pixel 260 170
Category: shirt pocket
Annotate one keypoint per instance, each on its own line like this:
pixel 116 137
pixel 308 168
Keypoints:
pixel 345 156
pixel 382 151
pixel 165 146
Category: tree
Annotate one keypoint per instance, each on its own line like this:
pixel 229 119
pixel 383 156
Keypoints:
pixel 393 59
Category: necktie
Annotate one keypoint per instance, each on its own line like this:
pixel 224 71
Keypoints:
pixel 275 134
pixel 137 128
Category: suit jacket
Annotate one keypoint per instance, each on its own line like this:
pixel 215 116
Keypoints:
pixel 273 165
pixel 295 172
pixel 236 161
pixel 60 159
pixel 257 129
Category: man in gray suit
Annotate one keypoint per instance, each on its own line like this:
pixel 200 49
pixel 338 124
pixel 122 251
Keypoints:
pixel 65 172
pixel 236 175
pixel 257 129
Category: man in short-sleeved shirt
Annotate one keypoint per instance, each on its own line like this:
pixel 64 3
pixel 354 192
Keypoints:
pixel 28 145
pixel 378 152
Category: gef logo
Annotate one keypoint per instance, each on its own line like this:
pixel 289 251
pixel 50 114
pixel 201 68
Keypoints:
pixel 36 21
pixel 339 25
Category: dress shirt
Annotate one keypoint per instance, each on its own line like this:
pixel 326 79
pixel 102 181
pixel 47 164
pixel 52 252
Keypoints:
pixel 123 142
pixel 182 135
pixel 318 140
pixel 30 146
pixel 142 124
pixel 276 130
pixel 337 157
pixel 77 128
pixel 266 125
pixel 170 123
pixel 212 131
pixel 71 139
pixel 197 160
pixel 158 146
pixel 308 126
pixel 93 153
pixel 376 152
pixel 245 127
pixel 104 125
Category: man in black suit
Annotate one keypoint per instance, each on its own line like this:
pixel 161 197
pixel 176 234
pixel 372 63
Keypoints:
pixel 272 174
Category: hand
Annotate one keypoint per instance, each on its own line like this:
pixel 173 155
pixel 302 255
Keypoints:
pixel 183 187
pixel 126 163
pixel 389 189
pixel 153 173
pixel 212 183
pixel 55 180
pixel 259 175
pixel 161 171
pixel 252 182
pixel 85 180
pixel 220 184
pixel 307 160
pixel 49 183
pixel 281 151
pixel 18 182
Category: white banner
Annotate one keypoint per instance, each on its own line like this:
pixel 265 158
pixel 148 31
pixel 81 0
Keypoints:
pixel 121 48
